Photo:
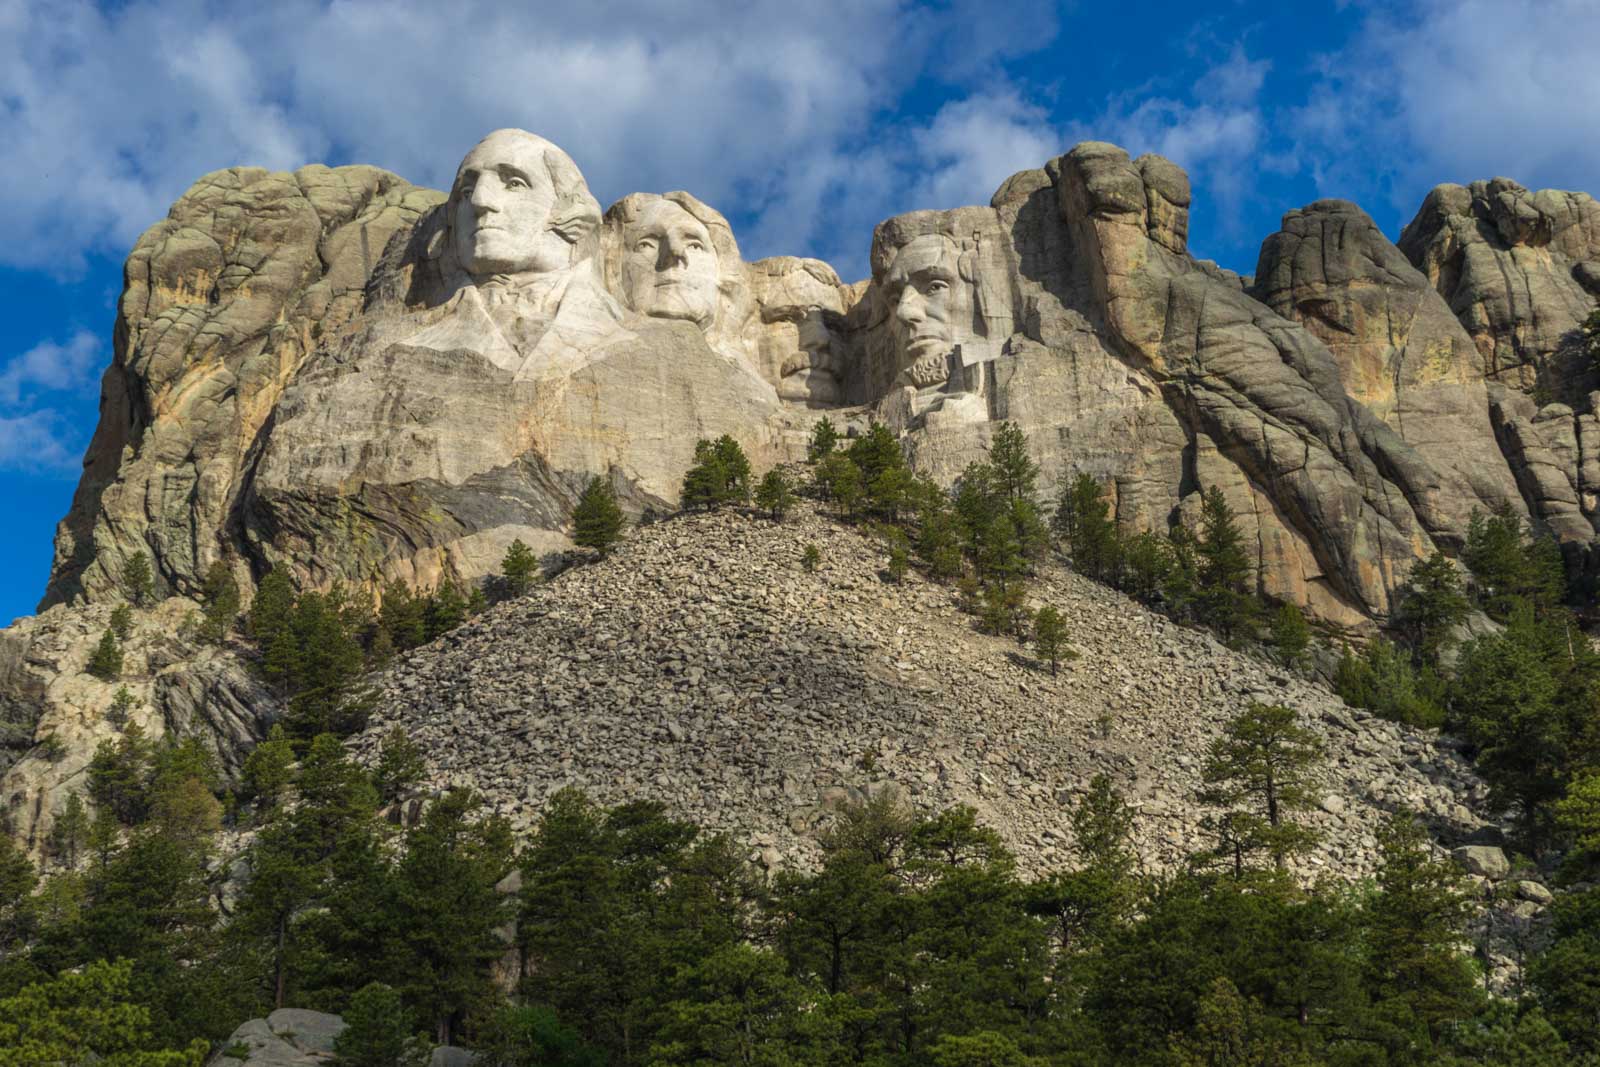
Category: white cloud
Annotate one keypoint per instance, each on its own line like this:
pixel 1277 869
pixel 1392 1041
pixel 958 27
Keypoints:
pixel 39 442
pixel 1457 91
pixel 107 116
pixel 49 365
pixel 973 145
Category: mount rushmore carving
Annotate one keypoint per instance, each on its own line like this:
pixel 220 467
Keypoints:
pixel 358 379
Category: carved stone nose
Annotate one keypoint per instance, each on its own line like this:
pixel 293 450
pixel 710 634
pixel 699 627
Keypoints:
pixel 909 309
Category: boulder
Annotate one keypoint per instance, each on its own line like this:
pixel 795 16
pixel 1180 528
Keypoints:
pixel 1484 860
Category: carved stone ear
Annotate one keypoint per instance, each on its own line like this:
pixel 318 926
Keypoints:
pixel 967 265
pixel 574 225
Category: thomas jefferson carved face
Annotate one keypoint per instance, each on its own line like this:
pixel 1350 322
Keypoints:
pixel 931 306
pixel 503 199
pixel 669 265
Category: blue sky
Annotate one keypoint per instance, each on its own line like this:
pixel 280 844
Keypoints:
pixel 805 123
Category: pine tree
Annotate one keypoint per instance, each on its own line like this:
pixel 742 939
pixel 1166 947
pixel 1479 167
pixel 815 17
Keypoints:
pixel 272 609
pixel 106 661
pixel 404 615
pixel 720 475
pixel 1016 475
pixel 597 520
pixel 122 621
pixel 1050 636
pixel 445 886
pixel 87 1016
pixel 774 494
pixel 810 558
pixel 840 481
pixel 446 609
pixel 219 600
pixel 1226 602
pixel 898 545
pixel 1261 772
pixel 1431 605
pixel 1083 521
pixel 1290 634
pixel 824 438
pixel 400 765
pixel 378 1030
pixel 70 832
pixel 268 769
pixel 1414 925
pixel 138 583
pixel 518 567
pixel 1089 902
pixel 123 704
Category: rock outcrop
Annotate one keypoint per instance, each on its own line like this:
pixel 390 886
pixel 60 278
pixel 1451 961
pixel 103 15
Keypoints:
pixel 53 713
pixel 222 301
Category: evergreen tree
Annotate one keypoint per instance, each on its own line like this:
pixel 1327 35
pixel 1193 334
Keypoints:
pixel 519 1034
pixel 18 908
pixel 898 545
pixel 774 494
pixel 1260 771
pixel 597 520
pixel 446 609
pixel 1146 566
pixel 1414 924
pixel 1383 680
pixel 272 610
pixel 1086 904
pixel 70 832
pixel 810 558
pixel 123 705
pixel 138 583
pixel 404 615
pixel 720 475
pixel 519 567
pixel 1234 1031
pixel 328 664
pixel 1016 475
pixel 219 602
pixel 86 1017
pixel 105 663
pixel 840 481
pixel 1508 566
pixel 269 768
pixel 400 765
pixel 1050 636
pixel 122 621
pixel 1290 634
pixel 1431 605
pixel 445 886
pixel 1577 815
pixel 739 1005
pixel 378 1031
pixel 120 773
pixel 1566 976
pixel 824 438
pixel 1083 522
pixel 1505 701
pixel 1225 601
pixel 938 539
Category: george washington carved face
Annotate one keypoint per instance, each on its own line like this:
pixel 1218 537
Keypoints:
pixel 519 206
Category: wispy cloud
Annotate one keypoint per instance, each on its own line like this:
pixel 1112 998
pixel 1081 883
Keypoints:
pixel 40 442
pixel 106 116
pixel 1437 91
pixel 51 365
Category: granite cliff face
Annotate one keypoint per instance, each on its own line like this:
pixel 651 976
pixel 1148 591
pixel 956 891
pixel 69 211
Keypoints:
pixel 338 373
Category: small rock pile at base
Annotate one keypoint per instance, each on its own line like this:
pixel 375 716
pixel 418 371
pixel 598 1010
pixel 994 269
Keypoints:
pixel 700 665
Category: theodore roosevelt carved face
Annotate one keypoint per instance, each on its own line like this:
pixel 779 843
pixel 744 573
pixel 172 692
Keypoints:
pixel 670 268
pixel 930 307
pixel 519 207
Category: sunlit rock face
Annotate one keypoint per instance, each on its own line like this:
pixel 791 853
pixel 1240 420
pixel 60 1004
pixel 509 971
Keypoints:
pixel 339 373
